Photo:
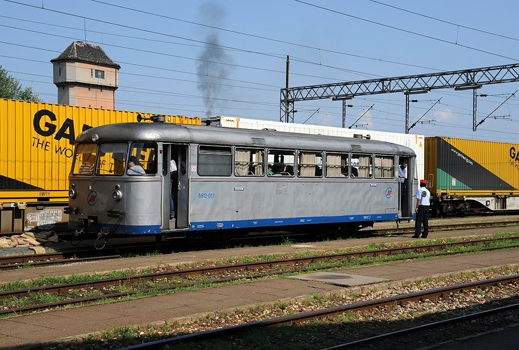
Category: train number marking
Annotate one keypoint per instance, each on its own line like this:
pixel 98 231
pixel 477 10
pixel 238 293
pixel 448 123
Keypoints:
pixel 206 195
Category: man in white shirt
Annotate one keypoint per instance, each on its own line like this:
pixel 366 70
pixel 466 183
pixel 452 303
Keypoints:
pixel 402 172
pixel 402 176
pixel 423 201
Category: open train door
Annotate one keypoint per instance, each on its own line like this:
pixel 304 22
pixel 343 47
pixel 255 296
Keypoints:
pixel 182 203
pixel 176 184
pixel 409 189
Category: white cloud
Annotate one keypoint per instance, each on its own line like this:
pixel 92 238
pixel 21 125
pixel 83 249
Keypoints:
pixel 444 115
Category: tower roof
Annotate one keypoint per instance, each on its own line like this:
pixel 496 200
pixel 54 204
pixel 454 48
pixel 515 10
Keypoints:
pixel 89 53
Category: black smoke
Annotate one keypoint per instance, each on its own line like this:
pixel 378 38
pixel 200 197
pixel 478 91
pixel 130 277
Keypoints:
pixel 214 64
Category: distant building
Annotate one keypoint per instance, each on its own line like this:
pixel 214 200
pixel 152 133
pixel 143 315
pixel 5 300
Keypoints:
pixel 85 76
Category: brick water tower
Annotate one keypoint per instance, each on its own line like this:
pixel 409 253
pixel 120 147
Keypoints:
pixel 85 76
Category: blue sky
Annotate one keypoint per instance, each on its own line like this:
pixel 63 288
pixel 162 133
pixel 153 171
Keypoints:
pixel 161 48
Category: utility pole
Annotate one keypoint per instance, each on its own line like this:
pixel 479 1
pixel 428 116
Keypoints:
pixel 287 98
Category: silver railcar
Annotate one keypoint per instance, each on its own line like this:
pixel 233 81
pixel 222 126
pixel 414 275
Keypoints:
pixel 232 180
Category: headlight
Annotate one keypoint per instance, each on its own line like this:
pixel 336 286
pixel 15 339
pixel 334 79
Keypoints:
pixel 72 193
pixel 117 195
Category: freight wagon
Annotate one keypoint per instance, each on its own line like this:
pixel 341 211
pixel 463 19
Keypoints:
pixel 36 150
pixel 413 141
pixel 470 176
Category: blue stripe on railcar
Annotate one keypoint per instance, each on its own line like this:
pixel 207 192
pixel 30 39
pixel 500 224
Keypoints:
pixel 243 224
pixel 132 229
pixel 218 225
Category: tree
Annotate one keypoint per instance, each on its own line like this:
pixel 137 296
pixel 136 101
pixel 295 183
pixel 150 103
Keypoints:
pixel 11 88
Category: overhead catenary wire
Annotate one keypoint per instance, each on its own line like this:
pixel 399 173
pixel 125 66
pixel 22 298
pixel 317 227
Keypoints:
pixel 481 122
pixel 144 90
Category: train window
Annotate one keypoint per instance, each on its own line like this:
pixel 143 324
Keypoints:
pixel 145 153
pixel 281 162
pixel 214 161
pixel 361 166
pixel 85 159
pixel 248 162
pixel 310 164
pixel 336 165
pixel 384 167
pixel 111 157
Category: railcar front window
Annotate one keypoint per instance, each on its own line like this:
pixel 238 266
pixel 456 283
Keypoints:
pixel 111 159
pixel 214 161
pixel 85 159
pixel 143 155
pixel 248 162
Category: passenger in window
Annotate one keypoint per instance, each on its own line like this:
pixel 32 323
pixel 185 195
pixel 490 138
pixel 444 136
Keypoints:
pixel 270 172
pixel 354 172
pixel 134 168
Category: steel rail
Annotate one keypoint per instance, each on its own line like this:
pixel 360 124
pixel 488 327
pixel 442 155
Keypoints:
pixel 50 259
pixel 245 267
pixel 431 325
pixel 16 261
pixel 442 227
pixel 297 263
pixel 305 316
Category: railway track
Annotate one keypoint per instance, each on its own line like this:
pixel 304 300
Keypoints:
pixel 365 306
pixel 440 227
pixel 88 255
pixel 171 278
pixel 14 262
pixel 79 255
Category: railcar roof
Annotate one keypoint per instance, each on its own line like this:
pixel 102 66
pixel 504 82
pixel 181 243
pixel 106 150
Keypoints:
pixel 161 132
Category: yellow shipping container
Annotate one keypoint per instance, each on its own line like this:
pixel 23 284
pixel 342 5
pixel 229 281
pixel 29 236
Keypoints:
pixel 472 174
pixel 36 150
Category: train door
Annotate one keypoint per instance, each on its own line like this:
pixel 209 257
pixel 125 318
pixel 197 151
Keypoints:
pixel 407 194
pixel 182 187
pixel 178 186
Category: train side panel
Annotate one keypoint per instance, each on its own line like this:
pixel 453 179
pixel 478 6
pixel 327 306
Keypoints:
pixel 36 149
pixel 470 174
pixel 271 202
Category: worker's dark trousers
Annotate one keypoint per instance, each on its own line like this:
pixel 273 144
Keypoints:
pixel 422 217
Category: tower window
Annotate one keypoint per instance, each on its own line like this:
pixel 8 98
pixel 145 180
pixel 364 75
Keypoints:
pixel 59 71
pixel 100 74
